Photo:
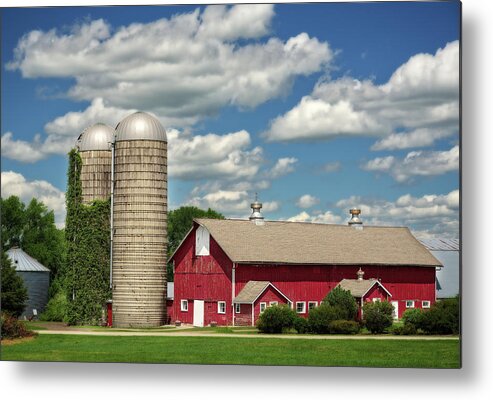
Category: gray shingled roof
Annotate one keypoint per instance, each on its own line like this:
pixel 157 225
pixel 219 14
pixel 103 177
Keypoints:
pixel 252 290
pixel 310 243
pixel 24 262
pixel 358 288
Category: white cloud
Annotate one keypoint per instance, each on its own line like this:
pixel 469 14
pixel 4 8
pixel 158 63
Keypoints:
pixel 322 218
pixel 14 184
pixel 332 167
pixel 416 163
pixel 20 150
pixel 307 201
pixel 231 203
pixel 183 68
pixel 282 167
pixel 421 96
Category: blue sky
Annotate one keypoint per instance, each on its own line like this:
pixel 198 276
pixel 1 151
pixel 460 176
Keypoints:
pixel 317 107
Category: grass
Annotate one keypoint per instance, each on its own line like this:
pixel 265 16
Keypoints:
pixel 249 351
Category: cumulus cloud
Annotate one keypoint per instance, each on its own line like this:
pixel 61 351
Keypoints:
pixel 231 203
pixel 282 167
pixel 182 68
pixel 322 218
pixel 416 163
pixel 421 96
pixel 15 184
pixel 307 201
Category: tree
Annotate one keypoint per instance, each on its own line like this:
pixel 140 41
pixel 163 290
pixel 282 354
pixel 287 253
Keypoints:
pixel 377 316
pixel 13 221
pixel 180 221
pixel 14 292
pixel 338 297
pixel 320 318
pixel 276 319
pixel 443 318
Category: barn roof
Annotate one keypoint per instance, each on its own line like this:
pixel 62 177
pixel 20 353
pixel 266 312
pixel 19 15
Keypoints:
pixel 252 290
pixel 359 288
pixel 310 243
pixel 24 262
pixel 441 244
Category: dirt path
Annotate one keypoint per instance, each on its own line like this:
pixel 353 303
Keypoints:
pixel 184 333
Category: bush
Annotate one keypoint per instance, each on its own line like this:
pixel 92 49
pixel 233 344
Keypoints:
pixel 320 317
pixel 56 309
pixel 276 319
pixel 406 329
pixel 413 316
pixel 12 328
pixel 13 291
pixel 343 299
pixel 377 316
pixel 301 325
pixel 344 327
pixel 442 318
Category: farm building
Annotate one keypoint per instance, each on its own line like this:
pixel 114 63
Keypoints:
pixel 229 271
pixel 36 278
pixel 448 252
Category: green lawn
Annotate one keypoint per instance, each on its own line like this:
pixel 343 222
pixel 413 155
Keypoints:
pixel 248 350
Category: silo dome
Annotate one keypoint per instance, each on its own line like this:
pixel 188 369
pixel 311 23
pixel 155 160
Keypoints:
pixel 96 137
pixel 140 126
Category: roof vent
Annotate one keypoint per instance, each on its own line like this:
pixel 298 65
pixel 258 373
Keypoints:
pixel 355 220
pixel 257 218
pixel 360 274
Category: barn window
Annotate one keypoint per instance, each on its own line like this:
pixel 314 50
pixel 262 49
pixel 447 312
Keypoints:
pixel 312 305
pixel 300 307
pixel 409 303
pixel 426 304
pixel 202 240
pixel 221 307
pixel 273 303
pixel 376 300
pixel 184 305
pixel 263 306
pixel 237 308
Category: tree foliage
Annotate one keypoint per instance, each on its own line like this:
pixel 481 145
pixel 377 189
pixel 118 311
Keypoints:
pixel 87 229
pixel 320 318
pixel 338 297
pixel 33 229
pixel 276 319
pixel 14 293
pixel 180 221
pixel 377 316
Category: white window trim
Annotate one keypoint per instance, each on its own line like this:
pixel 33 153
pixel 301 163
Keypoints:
pixel 315 304
pixel 219 307
pixel 273 303
pixel 412 305
pixel 264 304
pixel 184 305
pixel 237 308
pixel 376 299
pixel 426 301
pixel 304 307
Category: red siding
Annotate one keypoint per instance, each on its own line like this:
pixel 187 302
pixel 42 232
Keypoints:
pixel 209 278
pixel 205 278
pixel 244 317
pixel 376 292
pixel 270 294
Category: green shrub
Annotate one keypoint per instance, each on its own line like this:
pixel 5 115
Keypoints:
pixel 343 299
pixel 442 318
pixel 13 291
pixel 405 329
pixel 276 319
pixel 320 317
pixel 377 316
pixel 344 327
pixel 56 309
pixel 301 325
pixel 413 316
pixel 12 328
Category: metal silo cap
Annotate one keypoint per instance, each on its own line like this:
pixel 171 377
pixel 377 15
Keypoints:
pixel 140 126
pixel 97 137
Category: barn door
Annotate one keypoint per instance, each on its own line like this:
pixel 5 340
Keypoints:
pixel 198 313
pixel 395 312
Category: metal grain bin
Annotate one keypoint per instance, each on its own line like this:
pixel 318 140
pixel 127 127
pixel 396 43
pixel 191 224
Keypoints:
pixel 36 277
pixel 94 145
pixel 139 222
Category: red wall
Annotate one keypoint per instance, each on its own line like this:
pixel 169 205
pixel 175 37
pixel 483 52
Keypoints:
pixel 244 317
pixel 269 295
pixel 205 278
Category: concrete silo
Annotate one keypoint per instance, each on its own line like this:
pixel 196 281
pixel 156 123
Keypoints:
pixel 139 222
pixel 94 145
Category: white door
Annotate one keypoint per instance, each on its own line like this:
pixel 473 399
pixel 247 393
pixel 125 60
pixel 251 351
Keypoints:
pixel 395 313
pixel 198 313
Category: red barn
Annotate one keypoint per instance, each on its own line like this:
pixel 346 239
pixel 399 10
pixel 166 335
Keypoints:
pixel 228 271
